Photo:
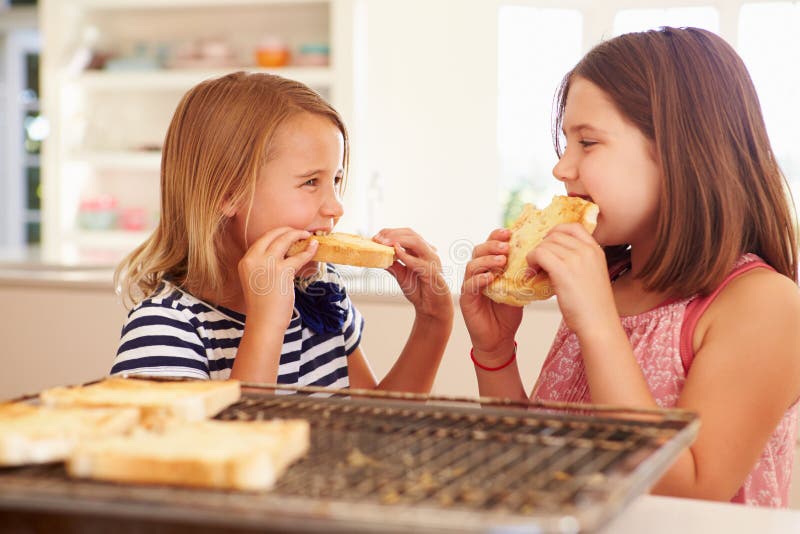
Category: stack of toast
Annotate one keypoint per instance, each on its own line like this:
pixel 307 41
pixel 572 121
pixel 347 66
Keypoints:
pixel 150 432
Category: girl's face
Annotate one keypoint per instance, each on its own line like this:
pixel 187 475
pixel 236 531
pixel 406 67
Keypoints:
pixel 299 186
pixel 609 161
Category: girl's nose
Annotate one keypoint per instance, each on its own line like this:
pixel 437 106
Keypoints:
pixel 332 207
pixel 565 169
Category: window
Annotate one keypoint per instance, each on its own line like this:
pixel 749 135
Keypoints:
pixel 770 47
pixel 20 141
pixel 536 48
pixel 635 20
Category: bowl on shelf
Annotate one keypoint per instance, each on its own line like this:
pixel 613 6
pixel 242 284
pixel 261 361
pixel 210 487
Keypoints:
pixel 272 52
pixel 98 212
pixel 313 55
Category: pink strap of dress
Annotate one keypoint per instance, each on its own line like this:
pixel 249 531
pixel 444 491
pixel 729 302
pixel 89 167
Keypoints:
pixel 698 306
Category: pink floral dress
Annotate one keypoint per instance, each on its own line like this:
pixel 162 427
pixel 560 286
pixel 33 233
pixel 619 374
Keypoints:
pixel 662 344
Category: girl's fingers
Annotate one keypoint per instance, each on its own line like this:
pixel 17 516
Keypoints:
pixel 413 243
pixel 301 258
pixel 548 258
pixel 388 236
pixel 500 234
pixel 261 244
pixel 398 270
pixel 413 262
pixel 280 245
pixel 485 264
pixel 490 247
pixel 563 240
pixel 474 285
pixel 577 231
pixel 408 239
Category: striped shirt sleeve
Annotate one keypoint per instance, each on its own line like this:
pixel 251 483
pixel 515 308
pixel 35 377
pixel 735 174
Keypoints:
pixel 160 340
pixel 353 326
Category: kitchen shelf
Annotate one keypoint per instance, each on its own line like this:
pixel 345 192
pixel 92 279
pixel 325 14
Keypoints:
pixel 101 118
pixel 183 79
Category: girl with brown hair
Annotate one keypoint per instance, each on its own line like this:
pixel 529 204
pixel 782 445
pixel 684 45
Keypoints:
pixel 686 294
pixel 253 163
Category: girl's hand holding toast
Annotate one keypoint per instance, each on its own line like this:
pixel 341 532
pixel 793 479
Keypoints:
pixel 492 326
pixel 267 275
pixel 419 273
pixel 577 268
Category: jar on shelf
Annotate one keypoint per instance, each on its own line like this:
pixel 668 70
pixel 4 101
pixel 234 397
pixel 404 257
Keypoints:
pixel 313 55
pixel 133 219
pixel 98 212
pixel 272 52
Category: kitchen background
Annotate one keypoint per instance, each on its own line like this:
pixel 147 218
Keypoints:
pixel 448 103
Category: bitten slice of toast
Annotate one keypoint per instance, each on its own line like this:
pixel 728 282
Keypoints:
pixel 347 249
pixel 36 434
pixel 186 400
pixel 211 454
pixel 526 233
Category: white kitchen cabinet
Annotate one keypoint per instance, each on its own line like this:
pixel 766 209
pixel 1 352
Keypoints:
pixel 107 125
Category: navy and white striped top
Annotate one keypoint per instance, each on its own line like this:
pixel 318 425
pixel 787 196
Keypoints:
pixel 176 334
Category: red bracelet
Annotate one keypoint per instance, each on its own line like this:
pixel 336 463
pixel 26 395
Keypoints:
pixel 485 368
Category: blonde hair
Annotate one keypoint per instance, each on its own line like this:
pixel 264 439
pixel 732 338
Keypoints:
pixel 218 139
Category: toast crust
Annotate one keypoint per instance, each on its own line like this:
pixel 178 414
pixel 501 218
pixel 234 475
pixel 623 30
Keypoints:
pixel 512 287
pixel 347 249
pixel 36 434
pixel 186 400
pixel 209 454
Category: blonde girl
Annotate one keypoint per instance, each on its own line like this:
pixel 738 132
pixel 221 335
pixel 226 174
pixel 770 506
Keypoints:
pixel 251 164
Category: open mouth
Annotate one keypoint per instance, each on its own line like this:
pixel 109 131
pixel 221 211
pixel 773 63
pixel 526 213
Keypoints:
pixel 322 232
pixel 584 197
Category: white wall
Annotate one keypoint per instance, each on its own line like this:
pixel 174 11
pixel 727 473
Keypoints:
pixel 389 320
pixel 425 120
pixel 56 334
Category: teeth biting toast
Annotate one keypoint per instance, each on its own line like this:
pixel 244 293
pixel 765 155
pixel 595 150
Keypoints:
pixel 526 233
pixel 347 249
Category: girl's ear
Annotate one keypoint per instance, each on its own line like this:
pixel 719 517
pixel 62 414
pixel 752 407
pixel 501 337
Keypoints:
pixel 229 209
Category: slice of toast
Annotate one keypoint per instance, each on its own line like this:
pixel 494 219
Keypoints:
pixel 36 434
pixel 186 400
pixel 347 249
pixel 527 232
pixel 210 454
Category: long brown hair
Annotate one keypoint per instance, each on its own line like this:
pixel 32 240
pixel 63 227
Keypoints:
pixel 723 193
pixel 218 139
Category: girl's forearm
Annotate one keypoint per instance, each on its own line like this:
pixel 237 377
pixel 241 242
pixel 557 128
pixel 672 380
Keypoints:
pixel 415 368
pixel 613 374
pixel 503 383
pixel 258 356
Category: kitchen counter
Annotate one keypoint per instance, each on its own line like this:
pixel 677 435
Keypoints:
pixel 647 514
pixel 25 267
pixel 668 515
